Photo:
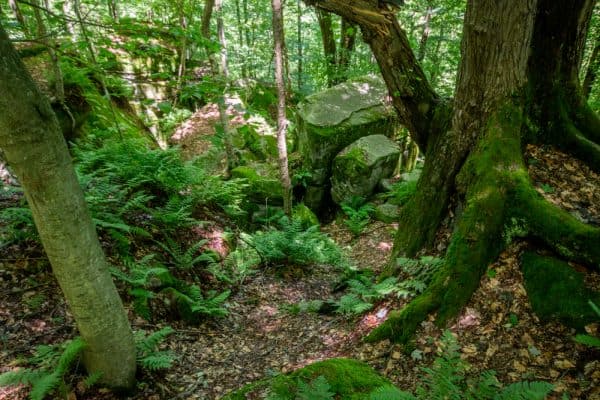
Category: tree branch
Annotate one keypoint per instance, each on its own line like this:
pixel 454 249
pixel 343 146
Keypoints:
pixel 412 95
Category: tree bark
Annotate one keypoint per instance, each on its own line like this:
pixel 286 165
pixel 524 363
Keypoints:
pixel 419 108
pixel 34 147
pixel 329 46
pixel 300 48
pixel 519 63
pixel 279 43
pixel 592 70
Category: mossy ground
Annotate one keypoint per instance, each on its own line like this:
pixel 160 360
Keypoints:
pixel 348 380
pixel 557 291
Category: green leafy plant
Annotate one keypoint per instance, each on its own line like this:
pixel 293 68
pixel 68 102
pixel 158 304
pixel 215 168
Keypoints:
pixel 589 340
pixel 446 379
pixel 149 279
pixel 187 259
pixel 51 363
pixel 316 389
pixel 418 273
pixel 149 356
pixel 358 214
pixel 294 245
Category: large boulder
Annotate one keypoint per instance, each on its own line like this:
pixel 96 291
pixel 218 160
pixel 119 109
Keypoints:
pixel 360 166
pixel 330 120
pixel 264 186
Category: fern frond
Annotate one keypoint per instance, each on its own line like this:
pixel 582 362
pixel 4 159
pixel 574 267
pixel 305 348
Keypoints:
pixel 390 393
pixel 525 391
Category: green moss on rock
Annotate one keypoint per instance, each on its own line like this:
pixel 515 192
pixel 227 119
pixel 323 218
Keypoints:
pixel 557 292
pixel 387 213
pixel 263 184
pixel 305 215
pixel 348 380
pixel 330 120
pixel 360 166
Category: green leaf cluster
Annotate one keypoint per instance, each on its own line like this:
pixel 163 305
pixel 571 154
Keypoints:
pixel 51 365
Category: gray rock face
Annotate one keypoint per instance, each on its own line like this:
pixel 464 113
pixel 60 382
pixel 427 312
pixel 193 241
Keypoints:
pixel 332 119
pixel 360 166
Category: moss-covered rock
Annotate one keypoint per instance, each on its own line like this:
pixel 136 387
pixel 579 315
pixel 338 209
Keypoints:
pixel 360 166
pixel 305 215
pixel 347 379
pixel 557 292
pixel 387 213
pixel 264 186
pixel 330 120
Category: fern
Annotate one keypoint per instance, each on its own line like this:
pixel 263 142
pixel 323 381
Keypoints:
pixel 148 355
pixel 318 389
pixel 525 391
pixel 294 245
pixel 187 259
pixel 390 393
pixel 53 363
pixel 588 340
pixel 358 214
pixel 446 380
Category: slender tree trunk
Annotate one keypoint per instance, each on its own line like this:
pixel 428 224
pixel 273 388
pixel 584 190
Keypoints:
pixel 425 34
pixel 113 10
pixel 183 50
pixel 14 6
pixel 279 39
pixel 347 43
pixel 592 70
pixel 224 74
pixel 92 53
pixel 300 45
pixel 32 142
pixel 329 45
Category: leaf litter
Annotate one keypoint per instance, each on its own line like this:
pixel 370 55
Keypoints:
pixel 497 330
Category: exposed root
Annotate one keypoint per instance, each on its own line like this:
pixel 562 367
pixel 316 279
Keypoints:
pixel 558 229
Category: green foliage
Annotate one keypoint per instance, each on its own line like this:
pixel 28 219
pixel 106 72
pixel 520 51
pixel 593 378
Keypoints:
pixel 446 379
pixel 294 245
pixel 358 214
pixel 588 340
pixel 362 293
pixel 187 259
pixel 149 356
pixel 402 191
pixel 317 389
pixel 418 274
pixel 52 363
pixel 148 279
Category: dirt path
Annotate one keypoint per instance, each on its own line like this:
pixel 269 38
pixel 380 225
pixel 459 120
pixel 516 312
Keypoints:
pixel 260 337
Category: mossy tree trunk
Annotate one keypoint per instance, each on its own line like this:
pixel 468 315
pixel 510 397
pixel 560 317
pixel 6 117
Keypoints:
pixel 34 147
pixel 519 63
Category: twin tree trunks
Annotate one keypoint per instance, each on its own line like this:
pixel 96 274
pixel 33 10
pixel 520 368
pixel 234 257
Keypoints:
pixel 517 83
pixel 33 145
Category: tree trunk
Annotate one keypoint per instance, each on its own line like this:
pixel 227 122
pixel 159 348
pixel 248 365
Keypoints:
pixel 34 147
pixel 14 6
pixel 329 46
pixel 561 110
pixel 592 70
pixel 278 37
pixel 425 34
pixel 300 45
pixel 224 74
pixel 347 42
pixel 519 59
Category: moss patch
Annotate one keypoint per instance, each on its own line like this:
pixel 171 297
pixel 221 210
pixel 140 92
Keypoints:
pixel 557 291
pixel 347 379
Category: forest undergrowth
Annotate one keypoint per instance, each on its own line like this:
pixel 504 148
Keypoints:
pixel 243 315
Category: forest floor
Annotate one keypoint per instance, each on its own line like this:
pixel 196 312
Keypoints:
pixel 261 336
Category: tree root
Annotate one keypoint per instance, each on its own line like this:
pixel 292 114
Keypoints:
pixel 559 230
pixel 498 192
